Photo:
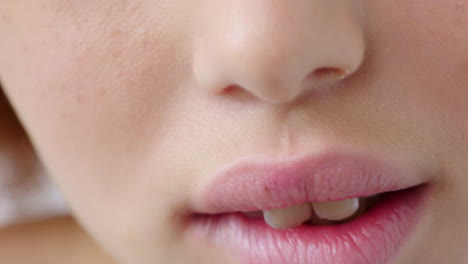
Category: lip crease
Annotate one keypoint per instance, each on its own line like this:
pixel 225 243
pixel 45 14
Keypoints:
pixel 253 184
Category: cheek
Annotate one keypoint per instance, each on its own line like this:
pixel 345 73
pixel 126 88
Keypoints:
pixel 93 98
pixel 441 46
pixel 423 47
pixel 89 80
pixel 100 90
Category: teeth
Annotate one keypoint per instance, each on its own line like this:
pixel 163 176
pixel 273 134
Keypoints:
pixel 315 220
pixel 288 217
pixel 337 210
pixel 316 213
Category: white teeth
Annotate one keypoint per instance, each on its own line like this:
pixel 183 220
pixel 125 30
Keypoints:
pixel 288 217
pixel 315 213
pixel 337 210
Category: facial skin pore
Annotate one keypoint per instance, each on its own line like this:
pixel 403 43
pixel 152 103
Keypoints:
pixel 132 105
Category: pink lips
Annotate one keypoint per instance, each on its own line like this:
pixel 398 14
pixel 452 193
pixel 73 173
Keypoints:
pixel 251 185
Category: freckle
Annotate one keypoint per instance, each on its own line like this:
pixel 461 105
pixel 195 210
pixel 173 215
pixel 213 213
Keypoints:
pixel 4 18
pixel 116 33
pixel 63 115
pixel 25 49
pixel 119 74
pixel 80 98
pixel 116 53
pixel 61 87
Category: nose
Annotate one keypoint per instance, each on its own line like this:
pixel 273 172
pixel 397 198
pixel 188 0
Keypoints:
pixel 276 49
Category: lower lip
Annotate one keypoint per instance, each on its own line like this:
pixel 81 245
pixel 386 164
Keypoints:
pixel 373 238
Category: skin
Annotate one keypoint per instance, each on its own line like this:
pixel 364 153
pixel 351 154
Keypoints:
pixel 129 104
pixel 53 241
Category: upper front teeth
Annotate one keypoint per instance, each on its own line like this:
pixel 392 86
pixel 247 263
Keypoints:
pixel 295 215
pixel 337 210
pixel 288 217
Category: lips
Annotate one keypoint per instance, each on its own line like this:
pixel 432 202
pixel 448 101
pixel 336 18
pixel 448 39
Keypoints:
pixel 262 185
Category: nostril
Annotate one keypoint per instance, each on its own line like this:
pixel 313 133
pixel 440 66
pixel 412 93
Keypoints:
pixel 324 77
pixel 327 73
pixel 230 89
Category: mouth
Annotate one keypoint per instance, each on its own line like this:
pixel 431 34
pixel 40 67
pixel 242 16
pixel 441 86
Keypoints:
pixel 320 213
pixel 333 208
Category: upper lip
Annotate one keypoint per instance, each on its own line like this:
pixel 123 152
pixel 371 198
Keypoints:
pixel 253 184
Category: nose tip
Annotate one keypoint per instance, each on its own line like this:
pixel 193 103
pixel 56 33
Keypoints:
pixel 277 50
